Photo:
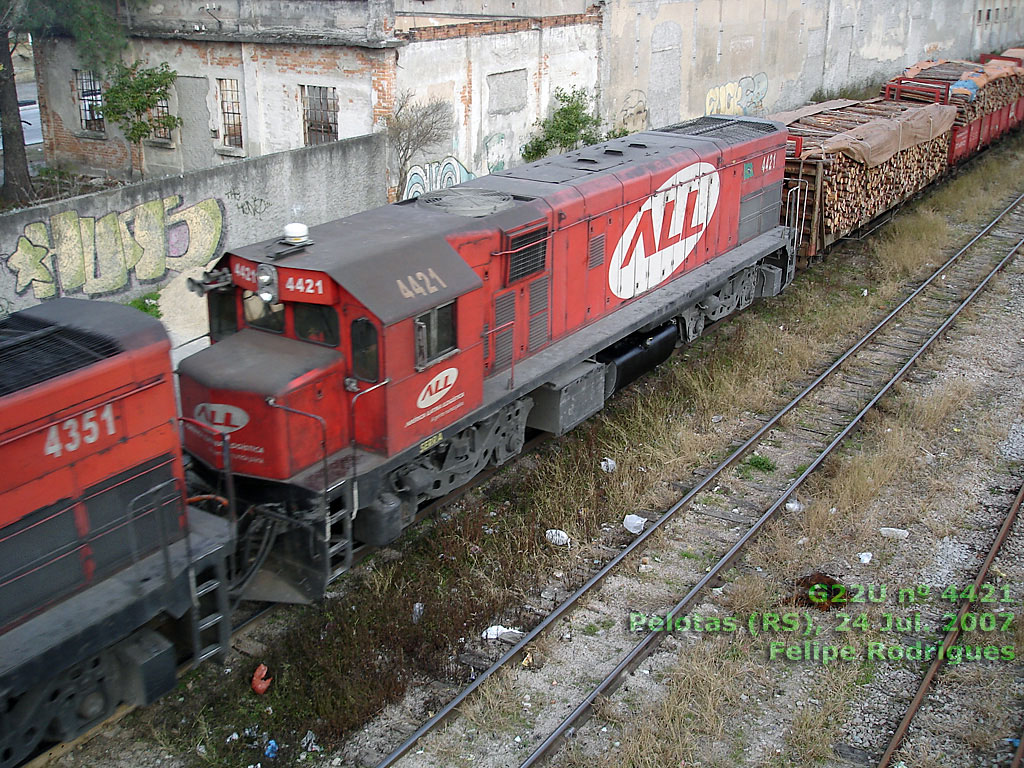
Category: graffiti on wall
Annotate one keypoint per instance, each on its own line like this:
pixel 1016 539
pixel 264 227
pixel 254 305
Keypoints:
pixel 498 150
pixel 431 176
pixel 249 205
pixel 72 253
pixel 633 115
pixel 740 97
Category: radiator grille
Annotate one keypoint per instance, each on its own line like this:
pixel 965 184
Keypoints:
pixel 33 351
pixel 729 129
pixel 528 254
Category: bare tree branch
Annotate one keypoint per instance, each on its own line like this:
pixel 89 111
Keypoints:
pixel 414 126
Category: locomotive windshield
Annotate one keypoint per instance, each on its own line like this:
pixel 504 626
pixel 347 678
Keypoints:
pixel 316 323
pixel 260 314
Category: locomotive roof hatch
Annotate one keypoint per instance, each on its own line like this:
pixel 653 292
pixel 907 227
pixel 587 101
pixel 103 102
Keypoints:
pixel 365 254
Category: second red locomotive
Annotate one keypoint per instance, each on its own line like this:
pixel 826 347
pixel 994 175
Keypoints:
pixel 386 358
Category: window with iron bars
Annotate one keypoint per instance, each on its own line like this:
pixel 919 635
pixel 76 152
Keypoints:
pixel 231 112
pixel 90 100
pixel 319 114
pixel 161 109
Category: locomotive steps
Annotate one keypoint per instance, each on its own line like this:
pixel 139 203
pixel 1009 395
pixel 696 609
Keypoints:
pixel 335 667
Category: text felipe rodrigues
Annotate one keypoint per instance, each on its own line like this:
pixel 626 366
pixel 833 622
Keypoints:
pixel 791 627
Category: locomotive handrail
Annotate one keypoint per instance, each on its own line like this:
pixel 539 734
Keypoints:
pixel 229 482
pixel 272 402
pixel 158 504
pixel 352 425
pixel 795 212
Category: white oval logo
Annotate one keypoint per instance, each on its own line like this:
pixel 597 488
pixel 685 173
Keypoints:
pixel 225 418
pixel 657 240
pixel 437 387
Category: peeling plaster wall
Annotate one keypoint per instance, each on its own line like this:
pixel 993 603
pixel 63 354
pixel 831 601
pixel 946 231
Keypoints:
pixel 670 60
pixel 124 242
pixel 270 80
pixel 498 85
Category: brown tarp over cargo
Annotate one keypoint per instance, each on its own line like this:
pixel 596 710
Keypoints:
pixel 877 141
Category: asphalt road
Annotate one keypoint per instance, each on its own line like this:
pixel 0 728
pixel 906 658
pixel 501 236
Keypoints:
pixel 30 124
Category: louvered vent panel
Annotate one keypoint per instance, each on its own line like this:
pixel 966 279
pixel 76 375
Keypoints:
pixel 538 313
pixel 504 312
pixel 538 295
pixel 596 251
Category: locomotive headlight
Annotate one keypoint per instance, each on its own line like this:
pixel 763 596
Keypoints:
pixel 266 283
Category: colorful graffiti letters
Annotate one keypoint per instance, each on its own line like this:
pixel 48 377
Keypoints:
pixel 427 178
pixel 740 97
pixel 95 256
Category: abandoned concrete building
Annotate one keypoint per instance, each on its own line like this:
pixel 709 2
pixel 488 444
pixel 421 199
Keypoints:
pixel 262 76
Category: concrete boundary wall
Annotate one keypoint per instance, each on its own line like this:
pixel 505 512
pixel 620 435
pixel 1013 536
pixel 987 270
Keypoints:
pixel 122 243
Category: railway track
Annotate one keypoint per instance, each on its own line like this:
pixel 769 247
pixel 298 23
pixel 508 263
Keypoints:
pixel 966 617
pixel 813 425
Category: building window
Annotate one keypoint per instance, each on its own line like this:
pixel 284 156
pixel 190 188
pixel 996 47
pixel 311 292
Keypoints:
pixel 231 112
pixel 162 109
pixel 319 114
pixel 90 100
pixel 435 334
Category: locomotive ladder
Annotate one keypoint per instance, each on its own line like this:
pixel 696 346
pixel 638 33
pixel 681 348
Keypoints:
pixel 211 615
pixel 339 546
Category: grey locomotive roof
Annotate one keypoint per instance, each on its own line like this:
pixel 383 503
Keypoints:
pixel 366 252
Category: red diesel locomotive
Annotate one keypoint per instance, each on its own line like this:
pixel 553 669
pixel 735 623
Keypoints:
pixel 384 359
pixel 102 563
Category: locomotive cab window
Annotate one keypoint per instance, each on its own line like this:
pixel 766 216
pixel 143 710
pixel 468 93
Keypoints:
pixel 435 334
pixel 223 315
pixel 364 350
pixel 260 314
pixel 316 323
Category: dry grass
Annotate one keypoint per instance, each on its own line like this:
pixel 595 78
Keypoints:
pixel 911 242
pixel 690 723
pixel 813 733
pixel 497 707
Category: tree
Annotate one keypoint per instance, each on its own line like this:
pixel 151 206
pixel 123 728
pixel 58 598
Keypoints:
pixel 571 125
pixel 413 127
pixel 133 95
pixel 99 39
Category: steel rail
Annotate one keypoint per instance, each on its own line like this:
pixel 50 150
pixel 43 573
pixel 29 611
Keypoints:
pixel 519 649
pixel 646 646
pixel 951 637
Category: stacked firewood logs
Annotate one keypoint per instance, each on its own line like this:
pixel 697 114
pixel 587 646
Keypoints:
pixel 844 194
pixel 999 84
